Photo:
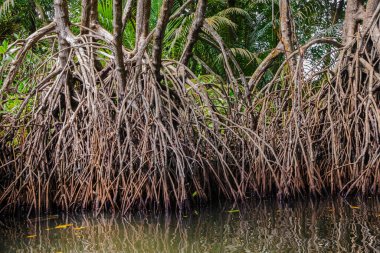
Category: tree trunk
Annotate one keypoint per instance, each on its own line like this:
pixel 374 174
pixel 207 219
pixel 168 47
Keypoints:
pixel 159 36
pixel 62 21
pixel 118 43
pixel 127 13
pixel 287 33
pixel 94 13
pixel 194 31
pixel 142 22
pixel 351 20
pixel 85 17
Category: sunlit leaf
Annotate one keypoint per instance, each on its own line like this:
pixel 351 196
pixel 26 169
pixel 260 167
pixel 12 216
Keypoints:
pixel 31 236
pixel 233 211
pixel 194 194
pixel 355 207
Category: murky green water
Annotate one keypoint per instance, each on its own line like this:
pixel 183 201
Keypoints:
pixel 325 226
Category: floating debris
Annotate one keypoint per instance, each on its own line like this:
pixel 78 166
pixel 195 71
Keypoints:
pixel 63 226
pixel 78 228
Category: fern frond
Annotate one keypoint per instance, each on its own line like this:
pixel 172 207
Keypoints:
pixel 233 11
pixel 244 54
pixel 219 23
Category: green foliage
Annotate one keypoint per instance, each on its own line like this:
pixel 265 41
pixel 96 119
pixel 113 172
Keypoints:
pixel 4 8
pixel 4 50
pixel 23 16
pixel 105 14
pixel 249 28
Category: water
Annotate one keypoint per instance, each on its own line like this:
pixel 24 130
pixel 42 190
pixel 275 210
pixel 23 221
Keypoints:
pixel 324 226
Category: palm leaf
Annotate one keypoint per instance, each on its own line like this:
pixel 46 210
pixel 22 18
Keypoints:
pixel 219 23
pixel 233 11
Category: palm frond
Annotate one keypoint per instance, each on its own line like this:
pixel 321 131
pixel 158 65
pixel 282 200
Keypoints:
pixel 233 11
pixel 219 23
pixel 244 54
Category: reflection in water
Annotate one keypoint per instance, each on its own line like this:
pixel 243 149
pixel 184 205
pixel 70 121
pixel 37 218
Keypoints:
pixel 326 226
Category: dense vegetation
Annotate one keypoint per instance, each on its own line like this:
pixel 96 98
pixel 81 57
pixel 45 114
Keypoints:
pixel 122 104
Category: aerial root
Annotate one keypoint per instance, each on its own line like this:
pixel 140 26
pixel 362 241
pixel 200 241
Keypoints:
pixel 81 144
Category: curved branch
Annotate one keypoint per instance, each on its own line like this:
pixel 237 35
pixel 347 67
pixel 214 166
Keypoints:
pixel 29 42
pixel 260 70
pixel 264 65
pixel 227 55
pixel 194 31
pixel 127 12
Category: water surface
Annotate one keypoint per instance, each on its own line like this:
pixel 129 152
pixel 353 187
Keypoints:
pixel 266 226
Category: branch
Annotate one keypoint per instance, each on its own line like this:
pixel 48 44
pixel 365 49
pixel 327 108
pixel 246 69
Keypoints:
pixel 29 42
pixel 372 13
pixel 61 17
pixel 180 10
pixel 227 55
pixel 85 18
pixel 127 12
pixel 264 65
pixel 159 36
pixel 142 21
pixel 351 20
pixel 287 33
pixel 371 7
pixel 118 43
pixel 371 69
pixel 94 12
pixel 194 31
